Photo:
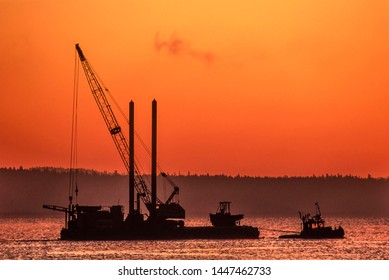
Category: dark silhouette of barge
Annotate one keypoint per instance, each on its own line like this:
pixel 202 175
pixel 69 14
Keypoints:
pixel 164 220
pixel 96 223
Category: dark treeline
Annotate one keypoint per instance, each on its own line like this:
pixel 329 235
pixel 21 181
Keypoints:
pixel 24 191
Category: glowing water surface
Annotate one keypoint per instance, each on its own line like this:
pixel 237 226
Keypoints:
pixel 37 238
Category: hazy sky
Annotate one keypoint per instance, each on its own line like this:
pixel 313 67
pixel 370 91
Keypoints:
pixel 243 87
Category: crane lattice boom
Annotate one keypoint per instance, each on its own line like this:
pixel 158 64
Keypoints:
pixel 165 210
pixel 113 126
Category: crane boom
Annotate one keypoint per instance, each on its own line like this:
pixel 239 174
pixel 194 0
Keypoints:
pixel 105 109
pixel 113 126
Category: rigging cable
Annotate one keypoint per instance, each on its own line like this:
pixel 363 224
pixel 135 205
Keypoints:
pixel 126 120
pixel 116 104
pixel 123 114
pixel 73 172
pixel 277 230
pixel 137 162
pixel 145 147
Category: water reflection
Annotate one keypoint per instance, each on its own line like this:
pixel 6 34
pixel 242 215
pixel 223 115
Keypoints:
pixel 31 238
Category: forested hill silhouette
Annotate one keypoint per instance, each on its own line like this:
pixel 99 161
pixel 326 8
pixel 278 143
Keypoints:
pixel 24 191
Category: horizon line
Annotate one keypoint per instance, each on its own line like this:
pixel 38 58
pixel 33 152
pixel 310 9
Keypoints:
pixel 188 173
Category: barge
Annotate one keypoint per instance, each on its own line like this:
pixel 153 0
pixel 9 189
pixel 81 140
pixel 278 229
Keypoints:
pixel 164 219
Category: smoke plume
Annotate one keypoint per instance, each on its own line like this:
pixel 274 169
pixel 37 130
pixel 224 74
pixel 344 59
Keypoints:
pixel 176 46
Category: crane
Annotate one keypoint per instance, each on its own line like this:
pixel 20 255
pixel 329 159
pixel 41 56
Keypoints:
pixel 166 209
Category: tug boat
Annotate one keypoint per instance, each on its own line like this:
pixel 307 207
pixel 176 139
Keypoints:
pixel 314 227
pixel 223 216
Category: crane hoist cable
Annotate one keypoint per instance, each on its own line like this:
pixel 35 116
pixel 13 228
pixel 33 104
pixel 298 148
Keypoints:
pixel 166 209
pixel 73 172
pixel 113 126
pixel 143 144
pixel 116 104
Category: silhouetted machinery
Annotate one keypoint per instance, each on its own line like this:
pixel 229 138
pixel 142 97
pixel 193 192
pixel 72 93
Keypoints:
pixel 157 208
pixel 163 220
pixel 223 216
pixel 313 227
pixel 90 217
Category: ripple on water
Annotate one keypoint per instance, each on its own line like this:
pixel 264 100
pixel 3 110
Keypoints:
pixel 31 238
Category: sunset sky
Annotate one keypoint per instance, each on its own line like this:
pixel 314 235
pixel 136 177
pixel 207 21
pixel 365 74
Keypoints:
pixel 261 88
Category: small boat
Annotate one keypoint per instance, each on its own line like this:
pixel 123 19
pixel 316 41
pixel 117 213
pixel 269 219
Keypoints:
pixel 223 216
pixel 314 227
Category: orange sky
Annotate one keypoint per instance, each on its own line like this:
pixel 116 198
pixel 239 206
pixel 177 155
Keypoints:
pixel 243 87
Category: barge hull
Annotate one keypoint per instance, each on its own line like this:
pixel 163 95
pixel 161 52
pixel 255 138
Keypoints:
pixel 325 233
pixel 206 232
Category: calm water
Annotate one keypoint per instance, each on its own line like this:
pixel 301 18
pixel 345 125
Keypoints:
pixel 37 238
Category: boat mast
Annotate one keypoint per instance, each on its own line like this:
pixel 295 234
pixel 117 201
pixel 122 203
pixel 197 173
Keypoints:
pixel 318 212
pixel 131 210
